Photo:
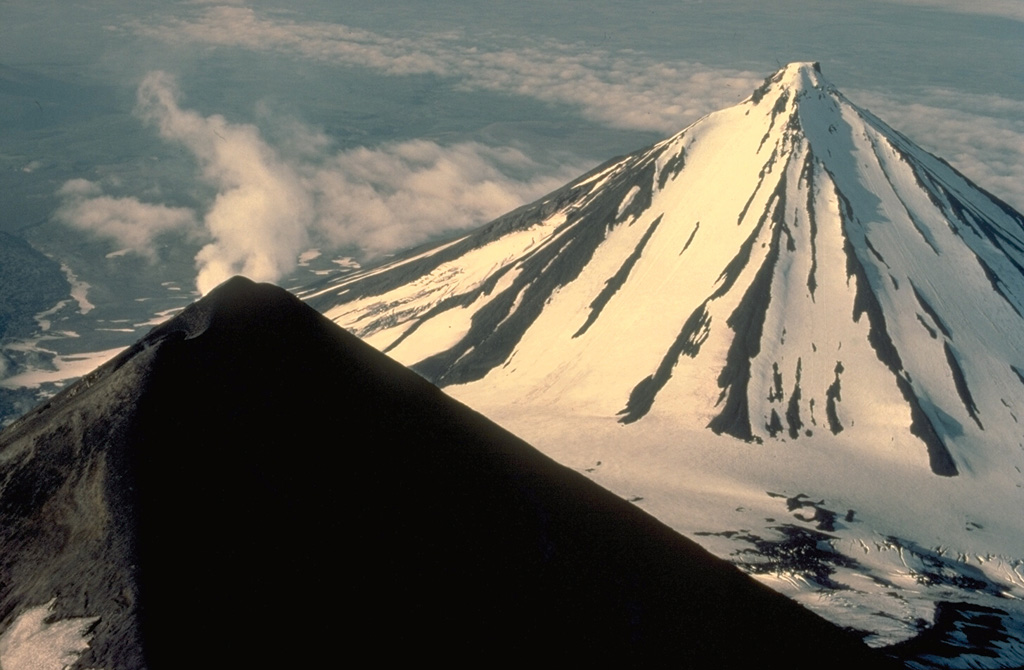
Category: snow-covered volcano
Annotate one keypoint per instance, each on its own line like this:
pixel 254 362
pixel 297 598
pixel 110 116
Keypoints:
pixel 787 320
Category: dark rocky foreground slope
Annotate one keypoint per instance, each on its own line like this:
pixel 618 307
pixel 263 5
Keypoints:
pixel 250 486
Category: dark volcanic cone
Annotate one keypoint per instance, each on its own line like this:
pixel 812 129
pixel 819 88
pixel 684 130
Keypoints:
pixel 250 486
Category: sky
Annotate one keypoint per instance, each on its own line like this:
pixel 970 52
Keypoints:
pixel 184 142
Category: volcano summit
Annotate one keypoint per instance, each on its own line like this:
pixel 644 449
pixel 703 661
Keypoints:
pixel 786 330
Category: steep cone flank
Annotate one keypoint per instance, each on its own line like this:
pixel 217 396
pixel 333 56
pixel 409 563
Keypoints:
pixel 250 486
pixel 793 250
pixel 788 317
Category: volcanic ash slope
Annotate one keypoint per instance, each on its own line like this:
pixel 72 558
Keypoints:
pixel 250 486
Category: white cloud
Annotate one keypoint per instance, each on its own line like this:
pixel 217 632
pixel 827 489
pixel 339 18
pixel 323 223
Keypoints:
pixel 399 195
pixel 133 224
pixel 624 90
pixel 272 203
pixel 259 220
pixel 243 27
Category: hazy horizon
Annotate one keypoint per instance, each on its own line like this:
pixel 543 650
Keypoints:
pixel 250 133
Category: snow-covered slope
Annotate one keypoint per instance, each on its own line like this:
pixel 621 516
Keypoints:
pixel 787 330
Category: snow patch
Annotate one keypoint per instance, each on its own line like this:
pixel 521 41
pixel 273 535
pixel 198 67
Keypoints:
pixel 79 290
pixel 37 642
pixel 70 366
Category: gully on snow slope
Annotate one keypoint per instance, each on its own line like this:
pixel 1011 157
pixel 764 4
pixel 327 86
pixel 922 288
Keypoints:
pixel 786 331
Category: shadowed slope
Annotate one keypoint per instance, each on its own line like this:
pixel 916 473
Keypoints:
pixel 250 486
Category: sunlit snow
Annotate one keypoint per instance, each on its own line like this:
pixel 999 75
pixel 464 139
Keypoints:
pixel 34 643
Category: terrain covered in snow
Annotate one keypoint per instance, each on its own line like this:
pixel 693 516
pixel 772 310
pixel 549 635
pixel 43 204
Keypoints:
pixel 786 331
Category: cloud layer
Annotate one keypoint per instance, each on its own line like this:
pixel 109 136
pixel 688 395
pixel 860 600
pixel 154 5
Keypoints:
pixel 387 199
pixel 622 89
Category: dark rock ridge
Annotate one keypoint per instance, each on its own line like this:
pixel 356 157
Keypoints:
pixel 250 486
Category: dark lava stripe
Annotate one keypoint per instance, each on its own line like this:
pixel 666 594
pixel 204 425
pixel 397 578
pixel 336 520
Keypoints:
pixel 732 271
pixel 496 329
pixel 968 216
pixel 776 393
pixel 982 224
pixel 918 226
pixel 997 283
pixel 451 302
pixel 778 108
pixel 672 167
pixel 875 252
pixel 931 331
pixel 866 302
pixel 765 86
pixel 926 306
pixel 695 330
pixel 793 409
pixel 832 396
pixel 747 322
pixel 689 239
pixel 1017 371
pixel 807 176
pixel 939 458
pixel 760 181
pixel 960 381
pixel 612 285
